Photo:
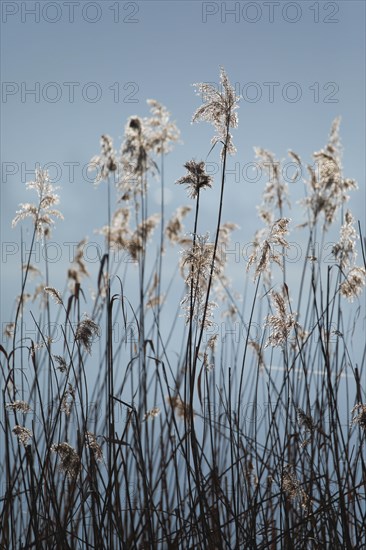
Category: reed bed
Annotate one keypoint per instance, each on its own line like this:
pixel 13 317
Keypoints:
pixel 179 433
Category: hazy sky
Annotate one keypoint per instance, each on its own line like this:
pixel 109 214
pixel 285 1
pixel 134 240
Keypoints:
pixel 92 64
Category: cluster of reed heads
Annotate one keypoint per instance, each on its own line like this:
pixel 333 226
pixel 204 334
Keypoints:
pixel 177 435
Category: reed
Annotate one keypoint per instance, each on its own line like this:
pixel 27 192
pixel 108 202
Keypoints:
pixel 177 434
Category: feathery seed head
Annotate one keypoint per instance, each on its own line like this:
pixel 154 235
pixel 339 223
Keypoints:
pixel 264 253
pixel 55 294
pixel 86 330
pixel 62 366
pixel 106 162
pixel 360 418
pixel 195 178
pixel 175 227
pixel 345 249
pixel 328 188
pixel 70 461
pixel 23 434
pixel 281 324
pixel 43 212
pixel 92 443
pixel 354 283
pixel 152 413
pixel 219 109
pixel 19 406
pixel 161 131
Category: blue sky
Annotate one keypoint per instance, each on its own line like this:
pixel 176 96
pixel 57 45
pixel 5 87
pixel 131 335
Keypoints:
pixel 157 50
